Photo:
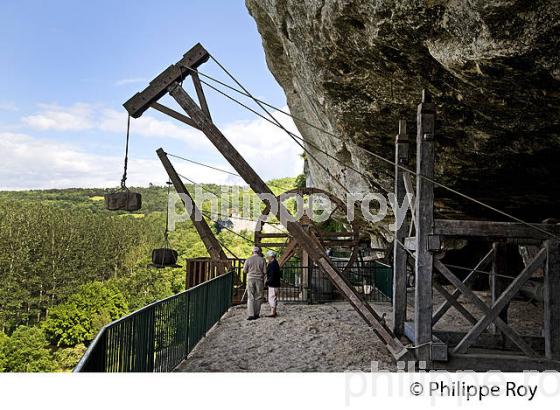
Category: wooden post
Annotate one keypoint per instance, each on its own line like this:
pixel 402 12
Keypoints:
pixel 425 220
pixel 399 254
pixel 210 242
pixel 307 242
pixel 305 277
pixel 551 302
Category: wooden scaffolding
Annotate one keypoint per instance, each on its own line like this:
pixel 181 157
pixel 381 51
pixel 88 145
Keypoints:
pixel 476 349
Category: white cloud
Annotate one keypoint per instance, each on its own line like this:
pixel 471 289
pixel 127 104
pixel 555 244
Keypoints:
pixel 266 147
pixel 131 80
pixel 31 162
pixel 114 121
pixel 34 163
pixel 77 117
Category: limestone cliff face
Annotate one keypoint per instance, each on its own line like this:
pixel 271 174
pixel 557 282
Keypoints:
pixel 493 66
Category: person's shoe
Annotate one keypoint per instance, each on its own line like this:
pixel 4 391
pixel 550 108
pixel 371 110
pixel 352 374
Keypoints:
pixel 251 318
pixel 272 315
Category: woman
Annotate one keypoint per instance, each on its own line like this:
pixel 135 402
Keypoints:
pixel 272 281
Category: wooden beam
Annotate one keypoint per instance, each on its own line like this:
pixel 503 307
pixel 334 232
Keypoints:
pixel 552 300
pixel 502 301
pixel 444 307
pixel 488 340
pixel 453 302
pixel 306 241
pixel 469 294
pixel 490 231
pixel 174 114
pixel 206 235
pixel 399 254
pixel 200 93
pixel 288 252
pixel 409 187
pixel 424 205
pixel 141 101
pixel 271 235
pixel 438 349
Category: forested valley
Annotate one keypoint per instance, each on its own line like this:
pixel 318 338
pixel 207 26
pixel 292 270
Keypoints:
pixel 68 267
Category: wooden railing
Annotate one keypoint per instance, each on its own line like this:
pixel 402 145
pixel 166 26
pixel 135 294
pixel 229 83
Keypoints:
pixel 200 270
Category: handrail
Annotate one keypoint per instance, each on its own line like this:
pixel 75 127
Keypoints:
pixel 159 336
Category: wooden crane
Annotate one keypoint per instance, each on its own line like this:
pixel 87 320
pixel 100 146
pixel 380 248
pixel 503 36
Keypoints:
pixel 198 116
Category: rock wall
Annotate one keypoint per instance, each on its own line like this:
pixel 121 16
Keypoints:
pixel 493 66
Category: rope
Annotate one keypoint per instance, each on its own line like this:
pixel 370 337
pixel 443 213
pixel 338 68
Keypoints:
pixel 123 179
pixel 378 156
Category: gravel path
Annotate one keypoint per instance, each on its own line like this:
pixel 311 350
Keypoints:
pixel 303 338
pixel 320 338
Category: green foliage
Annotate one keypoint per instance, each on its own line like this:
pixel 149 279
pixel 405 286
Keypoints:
pixel 27 351
pixel 3 340
pixel 300 181
pixel 67 358
pixel 79 319
pixel 145 286
pixel 68 266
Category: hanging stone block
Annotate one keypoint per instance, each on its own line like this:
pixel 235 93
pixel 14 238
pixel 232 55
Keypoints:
pixel 123 201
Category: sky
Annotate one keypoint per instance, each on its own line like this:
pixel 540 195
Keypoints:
pixel 66 68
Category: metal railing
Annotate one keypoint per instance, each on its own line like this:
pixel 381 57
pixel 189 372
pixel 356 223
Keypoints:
pixel 371 279
pixel 159 336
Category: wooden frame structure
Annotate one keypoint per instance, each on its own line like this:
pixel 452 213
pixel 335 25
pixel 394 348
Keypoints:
pixel 475 349
pixel 198 116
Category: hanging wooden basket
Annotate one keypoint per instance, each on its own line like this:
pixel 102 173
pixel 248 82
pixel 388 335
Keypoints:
pixel 165 258
pixel 123 201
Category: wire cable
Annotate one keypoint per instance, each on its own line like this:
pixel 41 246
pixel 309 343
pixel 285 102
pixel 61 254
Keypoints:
pixel 378 156
pixel 297 139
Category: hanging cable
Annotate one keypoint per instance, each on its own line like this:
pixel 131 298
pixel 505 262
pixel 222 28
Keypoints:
pixel 378 156
pixel 215 168
pixel 204 165
pixel 227 216
pixel 294 137
pixel 123 179
pixel 166 233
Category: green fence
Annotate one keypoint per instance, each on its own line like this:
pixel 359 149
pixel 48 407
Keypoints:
pixel 159 336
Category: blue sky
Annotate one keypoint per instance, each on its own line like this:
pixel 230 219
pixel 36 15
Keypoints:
pixel 67 67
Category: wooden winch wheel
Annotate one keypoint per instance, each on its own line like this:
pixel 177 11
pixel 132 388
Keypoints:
pixel 346 239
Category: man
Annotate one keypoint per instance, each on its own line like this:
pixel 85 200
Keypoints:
pixel 272 281
pixel 254 269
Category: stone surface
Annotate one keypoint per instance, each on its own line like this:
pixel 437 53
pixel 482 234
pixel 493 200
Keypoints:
pixel 355 67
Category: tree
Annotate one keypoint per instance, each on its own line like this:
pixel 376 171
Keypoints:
pixel 26 351
pixel 80 318
pixel 3 341
pixel 67 358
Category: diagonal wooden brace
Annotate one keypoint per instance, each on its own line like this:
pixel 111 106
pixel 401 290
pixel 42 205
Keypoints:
pixel 444 307
pixel 306 241
pixel 469 294
pixel 504 299
pixel 453 302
